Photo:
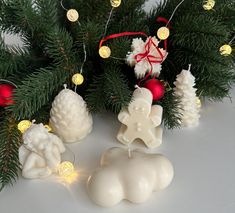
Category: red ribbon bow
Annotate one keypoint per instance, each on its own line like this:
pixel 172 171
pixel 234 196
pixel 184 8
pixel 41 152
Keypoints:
pixel 150 58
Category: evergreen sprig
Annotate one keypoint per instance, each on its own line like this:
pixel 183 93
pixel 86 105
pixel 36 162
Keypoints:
pixel 36 90
pixel 118 94
pixel 9 145
pixel 171 108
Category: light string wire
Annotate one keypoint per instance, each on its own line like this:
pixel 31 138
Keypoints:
pixel 232 40
pixel 62 5
pixel 105 32
pixel 172 15
pixel 108 21
pixel 7 81
pixel 83 44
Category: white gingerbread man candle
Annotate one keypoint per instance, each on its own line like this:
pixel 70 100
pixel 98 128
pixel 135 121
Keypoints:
pixel 141 120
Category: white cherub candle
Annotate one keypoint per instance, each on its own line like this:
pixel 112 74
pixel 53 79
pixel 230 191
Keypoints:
pixel 128 175
pixel 141 120
pixel 40 154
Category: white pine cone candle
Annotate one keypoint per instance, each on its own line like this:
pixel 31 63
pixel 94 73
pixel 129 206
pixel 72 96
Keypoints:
pixel 184 89
pixel 70 118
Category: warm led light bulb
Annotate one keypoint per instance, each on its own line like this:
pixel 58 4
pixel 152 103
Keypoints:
pixel 65 169
pixel 115 3
pixel 163 33
pixel 48 127
pixel 24 125
pixel 226 50
pixel 198 103
pixel 105 52
pixel 209 4
pixel 72 15
pixel 77 79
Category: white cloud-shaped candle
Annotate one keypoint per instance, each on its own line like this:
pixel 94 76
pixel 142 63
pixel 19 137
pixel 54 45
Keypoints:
pixel 132 177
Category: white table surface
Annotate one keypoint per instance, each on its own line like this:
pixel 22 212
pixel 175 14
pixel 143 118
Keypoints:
pixel 203 159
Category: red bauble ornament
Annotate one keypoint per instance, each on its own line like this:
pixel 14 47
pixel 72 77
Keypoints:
pixel 6 97
pixel 156 87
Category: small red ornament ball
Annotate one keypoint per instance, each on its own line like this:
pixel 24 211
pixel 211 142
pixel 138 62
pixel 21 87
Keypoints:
pixel 156 87
pixel 6 92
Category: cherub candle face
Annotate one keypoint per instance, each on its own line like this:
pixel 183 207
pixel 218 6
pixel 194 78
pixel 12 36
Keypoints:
pixel 132 178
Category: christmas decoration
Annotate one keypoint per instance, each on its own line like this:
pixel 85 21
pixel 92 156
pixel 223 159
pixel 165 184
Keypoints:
pixel 185 90
pixel 24 125
pixel 141 120
pixel 146 56
pixel 156 87
pixel 104 52
pixel 70 119
pixel 72 15
pixel 208 4
pixel 49 129
pixel 226 50
pixel 77 79
pixel 40 153
pixel 65 169
pixel 163 33
pixel 115 3
pixel 133 178
pixel 6 97
pixel 56 49
pixel 198 103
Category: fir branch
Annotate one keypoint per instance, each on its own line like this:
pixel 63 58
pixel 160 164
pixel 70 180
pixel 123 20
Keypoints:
pixel 59 47
pixel 36 90
pixel 19 16
pixel 171 110
pixel 95 95
pixel 9 144
pixel 88 33
pixel 47 10
pixel 117 92
pixel 11 60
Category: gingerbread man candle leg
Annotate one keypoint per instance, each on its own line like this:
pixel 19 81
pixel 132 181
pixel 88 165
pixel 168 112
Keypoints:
pixel 125 136
pixel 149 139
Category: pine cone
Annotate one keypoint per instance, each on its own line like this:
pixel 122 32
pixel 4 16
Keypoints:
pixel 70 119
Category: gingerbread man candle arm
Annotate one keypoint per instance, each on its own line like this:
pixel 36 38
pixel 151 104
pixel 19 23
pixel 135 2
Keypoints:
pixel 124 116
pixel 156 115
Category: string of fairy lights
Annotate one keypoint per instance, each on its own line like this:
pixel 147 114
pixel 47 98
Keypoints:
pixel 66 169
pixel 225 49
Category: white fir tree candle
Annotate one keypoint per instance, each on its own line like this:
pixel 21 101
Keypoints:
pixel 184 89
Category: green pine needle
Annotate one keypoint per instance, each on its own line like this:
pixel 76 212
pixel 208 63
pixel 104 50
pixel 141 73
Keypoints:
pixel 9 144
